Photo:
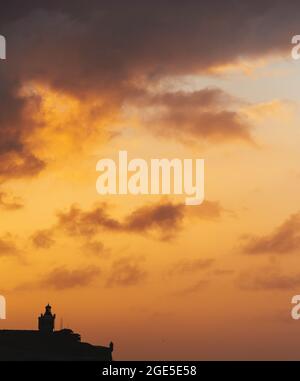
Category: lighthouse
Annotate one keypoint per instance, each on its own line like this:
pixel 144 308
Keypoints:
pixel 46 320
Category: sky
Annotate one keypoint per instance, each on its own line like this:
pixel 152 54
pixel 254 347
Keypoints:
pixel 164 281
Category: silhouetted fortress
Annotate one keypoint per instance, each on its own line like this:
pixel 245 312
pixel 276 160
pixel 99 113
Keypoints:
pixel 48 344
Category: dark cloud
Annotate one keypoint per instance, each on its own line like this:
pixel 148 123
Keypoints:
pixel 112 50
pixel 43 239
pixel 16 158
pixel 126 272
pixel 113 42
pixel 164 218
pixel 285 239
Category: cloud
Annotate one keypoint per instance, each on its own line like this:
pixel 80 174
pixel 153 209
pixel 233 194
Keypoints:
pixel 208 210
pixel 164 218
pixel 88 51
pixel 8 247
pixel 126 272
pixel 10 202
pixel 62 278
pixel 278 110
pixel 16 158
pixel 18 164
pixel 163 39
pixel 189 266
pixel 221 272
pixel 95 248
pixel 189 116
pixel 43 239
pixel 81 223
pixel 268 278
pixel 194 288
pixel 284 240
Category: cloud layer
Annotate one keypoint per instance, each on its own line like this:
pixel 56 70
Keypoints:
pixel 114 52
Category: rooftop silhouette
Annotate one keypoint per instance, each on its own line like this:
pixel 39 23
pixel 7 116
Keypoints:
pixel 46 344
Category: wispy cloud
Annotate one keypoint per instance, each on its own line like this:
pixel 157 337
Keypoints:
pixel 193 288
pixel 268 278
pixel 43 239
pixel 9 201
pixel 61 278
pixel 8 247
pixel 126 272
pixel 188 266
pixel 283 240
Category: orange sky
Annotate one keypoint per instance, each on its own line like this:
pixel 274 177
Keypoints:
pixel 213 281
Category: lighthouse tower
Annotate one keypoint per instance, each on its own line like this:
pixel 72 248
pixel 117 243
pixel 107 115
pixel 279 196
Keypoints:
pixel 46 321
